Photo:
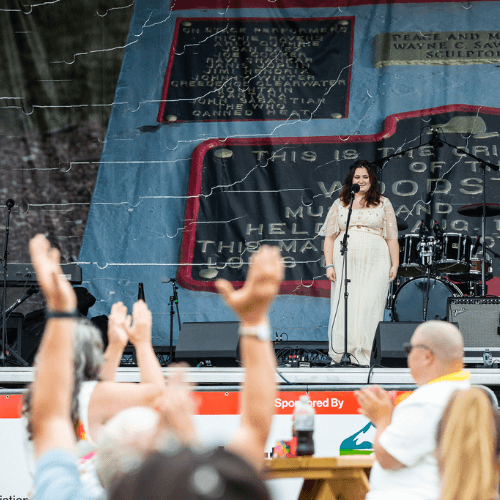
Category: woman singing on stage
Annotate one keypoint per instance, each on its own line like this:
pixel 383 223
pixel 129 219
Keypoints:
pixel 372 262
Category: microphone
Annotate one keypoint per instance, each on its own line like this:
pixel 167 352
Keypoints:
pixel 476 246
pixel 438 231
pixel 10 203
pixel 168 280
pixel 355 188
pixel 421 230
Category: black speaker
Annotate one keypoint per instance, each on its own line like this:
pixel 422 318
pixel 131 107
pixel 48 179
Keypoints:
pixel 34 325
pixel 478 319
pixel 388 343
pixel 213 344
pixel 15 323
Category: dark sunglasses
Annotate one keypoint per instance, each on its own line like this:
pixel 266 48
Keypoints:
pixel 407 347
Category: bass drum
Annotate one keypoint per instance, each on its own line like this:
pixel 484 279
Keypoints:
pixel 408 302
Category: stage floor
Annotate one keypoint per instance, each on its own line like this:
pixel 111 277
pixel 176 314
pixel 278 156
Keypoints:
pixel 310 379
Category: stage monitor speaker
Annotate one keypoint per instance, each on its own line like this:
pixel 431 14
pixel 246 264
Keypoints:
pixel 388 343
pixel 213 344
pixel 387 350
pixel 14 328
pixel 478 319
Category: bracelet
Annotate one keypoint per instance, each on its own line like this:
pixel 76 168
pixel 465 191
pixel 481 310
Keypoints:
pixel 62 314
pixel 262 331
pixel 329 265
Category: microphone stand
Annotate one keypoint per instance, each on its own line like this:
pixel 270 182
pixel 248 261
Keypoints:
pixel 483 165
pixel 10 203
pixel 17 344
pixel 346 356
pixel 174 299
pixel 437 142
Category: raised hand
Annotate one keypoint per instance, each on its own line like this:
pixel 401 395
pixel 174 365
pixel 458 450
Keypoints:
pixel 118 325
pixel 142 321
pixel 177 405
pixel 57 290
pixel 264 276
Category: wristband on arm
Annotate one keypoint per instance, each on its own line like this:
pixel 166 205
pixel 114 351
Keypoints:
pixel 262 331
pixel 62 314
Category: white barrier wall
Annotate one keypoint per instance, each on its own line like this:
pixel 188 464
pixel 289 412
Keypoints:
pixel 337 420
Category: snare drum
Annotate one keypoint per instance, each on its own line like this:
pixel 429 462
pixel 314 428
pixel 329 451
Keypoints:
pixel 475 271
pixel 409 256
pixel 408 302
pixel 455 254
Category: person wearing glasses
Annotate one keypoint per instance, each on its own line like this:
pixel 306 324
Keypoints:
pixel 405 441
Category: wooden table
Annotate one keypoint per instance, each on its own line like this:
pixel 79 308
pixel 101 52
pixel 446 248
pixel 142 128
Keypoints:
pixel 343 477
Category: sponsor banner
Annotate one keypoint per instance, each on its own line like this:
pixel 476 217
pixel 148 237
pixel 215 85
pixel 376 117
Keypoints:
pixel 10 406
pixel 228 403
pixel 324 403
pixel 339 428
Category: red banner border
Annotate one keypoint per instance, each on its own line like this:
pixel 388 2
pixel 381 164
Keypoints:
pixel 319 288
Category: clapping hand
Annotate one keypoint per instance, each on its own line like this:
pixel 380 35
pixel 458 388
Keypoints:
pixel 142 321
pixel 376 404
pixel 177 405
pixel 118 325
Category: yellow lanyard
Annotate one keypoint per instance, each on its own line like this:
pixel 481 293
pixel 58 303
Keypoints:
pixel 451 377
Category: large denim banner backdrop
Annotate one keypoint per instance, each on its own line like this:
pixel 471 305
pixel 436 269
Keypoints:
pixel 239 122
pixel 233 123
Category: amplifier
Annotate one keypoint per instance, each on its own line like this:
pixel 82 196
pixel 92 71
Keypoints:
pixel 214 344
pixel 478 319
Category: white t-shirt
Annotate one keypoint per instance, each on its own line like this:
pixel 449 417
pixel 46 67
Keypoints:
pixel 88 474
pixel 411 439
pixel 84 395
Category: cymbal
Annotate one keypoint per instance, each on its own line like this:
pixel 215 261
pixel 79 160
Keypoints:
pixel 476 210
pixel 402 224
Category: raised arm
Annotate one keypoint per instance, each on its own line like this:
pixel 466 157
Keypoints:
pixel 251 304
pixel 108 398
pixel 140 335
pixel 119 323
pixel 53 385
pixel 177 406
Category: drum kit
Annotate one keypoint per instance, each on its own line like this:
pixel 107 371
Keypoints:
pixel 433 268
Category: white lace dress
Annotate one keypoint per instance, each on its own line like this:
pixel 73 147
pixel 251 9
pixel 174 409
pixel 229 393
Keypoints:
pixel 368 267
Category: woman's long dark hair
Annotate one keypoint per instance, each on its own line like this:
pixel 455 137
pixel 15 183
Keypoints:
pixel 372 198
